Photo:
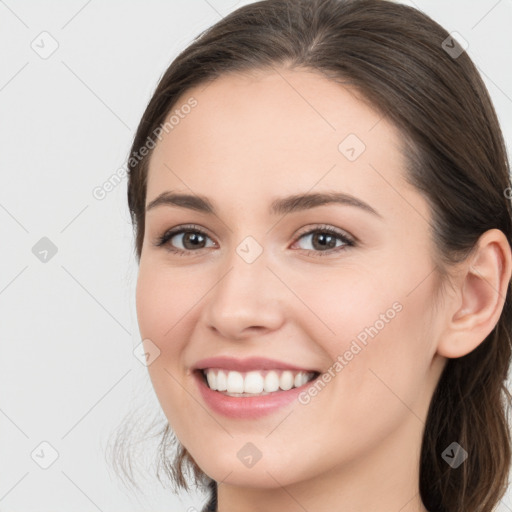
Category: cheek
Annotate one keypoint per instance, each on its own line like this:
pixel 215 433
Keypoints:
pixel 386 308
pixel 376 327
pixel 163 299
pixel 352 304
pixel 167 302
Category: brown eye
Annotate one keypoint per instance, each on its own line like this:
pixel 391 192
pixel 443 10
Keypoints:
pixel 184 239
pixel 191 239
pixel 188 239
pixel 326 240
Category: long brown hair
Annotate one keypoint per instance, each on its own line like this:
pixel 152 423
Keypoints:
pixel 409 69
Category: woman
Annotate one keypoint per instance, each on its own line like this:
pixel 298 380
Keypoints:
pixel 319 195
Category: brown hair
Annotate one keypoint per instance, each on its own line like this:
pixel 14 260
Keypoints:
pixel 408 68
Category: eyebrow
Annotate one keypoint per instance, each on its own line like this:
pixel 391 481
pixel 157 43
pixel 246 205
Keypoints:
pixel 280 206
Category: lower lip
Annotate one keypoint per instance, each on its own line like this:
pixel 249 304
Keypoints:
pixel 249 407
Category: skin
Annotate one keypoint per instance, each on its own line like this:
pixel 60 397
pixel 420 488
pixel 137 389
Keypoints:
pixel 253 138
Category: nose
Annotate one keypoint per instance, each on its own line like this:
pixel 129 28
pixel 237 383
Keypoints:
pixel 247 300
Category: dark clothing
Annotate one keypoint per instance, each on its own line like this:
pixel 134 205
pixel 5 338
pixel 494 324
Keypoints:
pixel 211 506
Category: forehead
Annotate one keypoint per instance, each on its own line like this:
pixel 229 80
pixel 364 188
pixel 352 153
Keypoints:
pixel 251 134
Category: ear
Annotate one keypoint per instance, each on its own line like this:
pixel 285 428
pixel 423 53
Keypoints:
pixel 480 293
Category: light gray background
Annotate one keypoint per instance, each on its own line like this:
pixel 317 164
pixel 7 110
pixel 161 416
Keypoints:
pixel 68 326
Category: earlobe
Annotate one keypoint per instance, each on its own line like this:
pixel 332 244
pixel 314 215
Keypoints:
pixel 481 294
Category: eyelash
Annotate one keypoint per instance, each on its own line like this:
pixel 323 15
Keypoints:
pixel 168 235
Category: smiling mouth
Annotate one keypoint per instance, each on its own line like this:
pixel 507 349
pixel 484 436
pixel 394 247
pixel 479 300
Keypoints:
pixel 255 382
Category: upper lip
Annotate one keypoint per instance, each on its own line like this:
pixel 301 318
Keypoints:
pixel 248 364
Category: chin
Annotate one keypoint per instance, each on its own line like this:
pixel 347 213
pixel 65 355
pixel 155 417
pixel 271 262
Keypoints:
pixel 229 470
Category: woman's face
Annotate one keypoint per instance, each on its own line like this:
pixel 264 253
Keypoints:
pixel 261 282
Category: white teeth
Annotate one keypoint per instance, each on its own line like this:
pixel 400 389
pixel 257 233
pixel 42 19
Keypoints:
pixel 286 380
pixel 235 383
pixel 210 377
pixel 221 382
pixel 300 380
pixel 255 382
pixel 271 381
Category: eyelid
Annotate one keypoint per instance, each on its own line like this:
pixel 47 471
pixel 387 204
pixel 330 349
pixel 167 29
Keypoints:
pixel 326 227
